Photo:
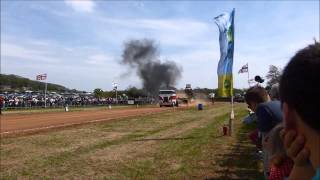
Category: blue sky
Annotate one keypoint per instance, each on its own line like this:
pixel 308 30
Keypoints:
pixel 79 43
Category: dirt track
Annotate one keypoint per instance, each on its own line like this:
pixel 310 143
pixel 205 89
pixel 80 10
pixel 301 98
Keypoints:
pixel 19 123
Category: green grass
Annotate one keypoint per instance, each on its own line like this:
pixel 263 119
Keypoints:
pixel 185 152
pixel 170 145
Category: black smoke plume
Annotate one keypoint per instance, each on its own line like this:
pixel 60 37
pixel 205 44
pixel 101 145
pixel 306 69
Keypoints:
pixel 143 56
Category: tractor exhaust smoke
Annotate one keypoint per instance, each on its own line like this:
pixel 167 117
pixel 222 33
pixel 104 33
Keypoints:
pixel 143 56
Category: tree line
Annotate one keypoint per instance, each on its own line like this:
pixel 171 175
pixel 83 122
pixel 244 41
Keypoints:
pixel 133 92
pixel 13 82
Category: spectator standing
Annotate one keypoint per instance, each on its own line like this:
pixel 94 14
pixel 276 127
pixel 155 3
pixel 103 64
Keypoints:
pixel 268 115
pixel 1 104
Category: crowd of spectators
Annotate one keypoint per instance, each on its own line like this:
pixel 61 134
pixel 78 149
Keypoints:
pixel 29 99
pixel 287 120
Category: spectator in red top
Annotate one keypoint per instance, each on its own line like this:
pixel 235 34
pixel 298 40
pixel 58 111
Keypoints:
pixel 1 104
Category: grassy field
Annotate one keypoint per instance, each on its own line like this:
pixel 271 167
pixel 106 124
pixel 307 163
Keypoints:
pixel 185 144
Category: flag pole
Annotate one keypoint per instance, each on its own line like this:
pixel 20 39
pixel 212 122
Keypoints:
pixel 248 75
pixel 116 95
pixel 231 117
pixel 45 94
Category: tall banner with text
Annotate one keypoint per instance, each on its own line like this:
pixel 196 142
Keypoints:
pixel 225 24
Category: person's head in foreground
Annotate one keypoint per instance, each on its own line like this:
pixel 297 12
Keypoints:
pixel 300 97
pixel 256 95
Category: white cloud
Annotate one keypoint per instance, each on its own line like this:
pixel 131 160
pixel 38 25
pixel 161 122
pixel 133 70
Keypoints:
pixel 199 67
pixel 158 24
pixel 81 5
pixel 99 59
pixel 176 32
pixel 24 52
pixel 196 57
pixel 68 66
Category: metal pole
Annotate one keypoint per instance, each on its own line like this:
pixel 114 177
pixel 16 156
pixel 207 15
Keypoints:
pixel 248 75
pixel 45 95
pixel 116 96
pixel 231 118
pixel 115 87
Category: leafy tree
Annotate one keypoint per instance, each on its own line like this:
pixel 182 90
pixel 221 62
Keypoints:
pixel 238 91
pixel 98 93
pixel 15 82
pixel 109 94
pixel 273 75
pixel 135 92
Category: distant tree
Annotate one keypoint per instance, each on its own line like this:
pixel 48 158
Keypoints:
pixel 135 92
pixel 98 93
pixel 238 91
pixel 109 94
pixel 273 75
pixel 15 82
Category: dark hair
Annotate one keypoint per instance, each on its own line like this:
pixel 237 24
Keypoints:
pixel 256 94
pixel 299 85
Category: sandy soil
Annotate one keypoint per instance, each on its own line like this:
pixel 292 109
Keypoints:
pixel 19 123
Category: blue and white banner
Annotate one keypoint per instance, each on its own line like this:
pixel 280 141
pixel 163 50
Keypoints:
pixel 225 24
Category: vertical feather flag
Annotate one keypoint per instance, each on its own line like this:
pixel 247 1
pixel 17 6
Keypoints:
pixel 225 24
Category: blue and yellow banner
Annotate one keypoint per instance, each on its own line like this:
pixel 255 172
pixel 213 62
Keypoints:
pixel 225 24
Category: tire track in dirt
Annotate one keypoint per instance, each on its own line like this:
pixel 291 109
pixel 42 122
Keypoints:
pixel 108 153
pixel 15 124
pixel 112 151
